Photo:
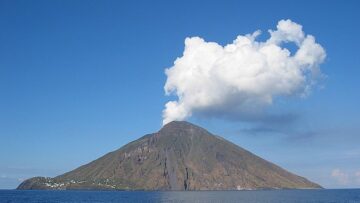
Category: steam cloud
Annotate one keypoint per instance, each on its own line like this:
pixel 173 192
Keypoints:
pixel 241 78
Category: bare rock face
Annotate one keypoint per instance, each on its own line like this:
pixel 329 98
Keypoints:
pixel 181 156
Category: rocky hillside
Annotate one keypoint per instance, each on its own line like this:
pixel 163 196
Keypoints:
pixel 181 156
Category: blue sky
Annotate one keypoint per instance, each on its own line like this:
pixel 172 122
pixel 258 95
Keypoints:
pixel 81 78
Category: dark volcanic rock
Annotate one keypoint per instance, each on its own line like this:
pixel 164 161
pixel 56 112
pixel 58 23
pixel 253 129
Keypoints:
pixel 181 156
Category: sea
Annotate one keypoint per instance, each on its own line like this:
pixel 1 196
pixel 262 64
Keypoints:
pixel 259 196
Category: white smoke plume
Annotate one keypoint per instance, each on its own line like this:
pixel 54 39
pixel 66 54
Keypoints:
pixel 244 77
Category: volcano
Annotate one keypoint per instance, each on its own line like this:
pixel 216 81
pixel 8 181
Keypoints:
pixel 180 156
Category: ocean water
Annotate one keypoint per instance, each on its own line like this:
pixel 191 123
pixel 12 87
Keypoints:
pixel 263 196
